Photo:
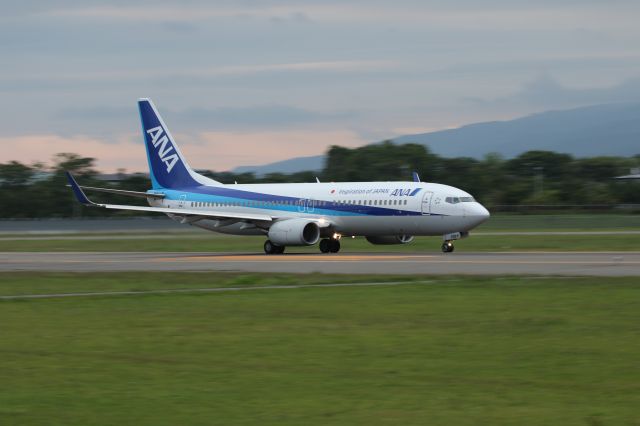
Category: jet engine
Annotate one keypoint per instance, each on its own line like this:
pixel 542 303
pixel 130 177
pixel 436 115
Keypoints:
pixel 390 239
pixel 294 232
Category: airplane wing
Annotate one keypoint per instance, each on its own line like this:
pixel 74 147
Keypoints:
pixel 123 192
pixel 82 198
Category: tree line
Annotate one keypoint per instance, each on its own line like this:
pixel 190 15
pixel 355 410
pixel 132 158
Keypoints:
pixel 530 179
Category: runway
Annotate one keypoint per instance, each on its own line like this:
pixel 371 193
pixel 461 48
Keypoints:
pixel 512 263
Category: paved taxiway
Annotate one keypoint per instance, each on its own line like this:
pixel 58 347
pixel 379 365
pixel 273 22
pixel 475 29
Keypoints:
pixel 520 263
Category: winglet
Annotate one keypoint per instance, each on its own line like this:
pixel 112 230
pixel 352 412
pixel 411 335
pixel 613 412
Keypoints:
pixel 77 191
pixel 416 177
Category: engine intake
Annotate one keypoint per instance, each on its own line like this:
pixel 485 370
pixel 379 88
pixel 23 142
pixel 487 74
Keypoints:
pixel 294 232
pixel 390 239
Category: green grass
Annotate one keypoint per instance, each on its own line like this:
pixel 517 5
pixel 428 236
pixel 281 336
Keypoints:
pixel 457 351
pixel 198 240
pixel 22 283
pixel 223 243
pixel 561 222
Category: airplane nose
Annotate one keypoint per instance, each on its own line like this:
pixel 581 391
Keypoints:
pixel 483 212
pixel 478 213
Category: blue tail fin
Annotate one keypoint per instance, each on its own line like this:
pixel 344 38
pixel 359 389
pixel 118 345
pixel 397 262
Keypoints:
pixel 167 166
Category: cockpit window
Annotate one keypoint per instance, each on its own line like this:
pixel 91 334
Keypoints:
pixel 456 200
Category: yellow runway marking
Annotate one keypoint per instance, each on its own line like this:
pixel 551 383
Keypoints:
pixel 381 258
pixel 295 258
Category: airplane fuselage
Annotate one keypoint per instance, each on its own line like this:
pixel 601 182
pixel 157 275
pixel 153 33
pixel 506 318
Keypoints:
pixel 352 208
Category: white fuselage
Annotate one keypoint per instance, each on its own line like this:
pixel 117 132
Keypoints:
pixel 351 208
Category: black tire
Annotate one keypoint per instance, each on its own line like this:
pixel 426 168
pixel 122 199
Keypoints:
pixel 279 249
pixel 269 247
pixel 447 247
pixel 334 246
pixel 325 245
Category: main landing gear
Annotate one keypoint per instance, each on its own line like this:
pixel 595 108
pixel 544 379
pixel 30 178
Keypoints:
pixel 329 245
pixel 270 248
pixel 447 247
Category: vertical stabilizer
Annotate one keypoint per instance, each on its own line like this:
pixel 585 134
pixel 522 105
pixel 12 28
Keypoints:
pixel 167 166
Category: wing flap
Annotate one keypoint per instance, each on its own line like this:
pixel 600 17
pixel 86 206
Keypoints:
pixel 124 192
pixel 189 212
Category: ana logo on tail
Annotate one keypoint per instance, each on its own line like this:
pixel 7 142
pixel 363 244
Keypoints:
pixel 160 141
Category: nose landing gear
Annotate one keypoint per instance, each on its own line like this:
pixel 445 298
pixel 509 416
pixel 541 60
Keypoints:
pixel 447 247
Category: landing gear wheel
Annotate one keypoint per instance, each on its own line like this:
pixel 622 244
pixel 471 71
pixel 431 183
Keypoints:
pixel 325 245
pixel 270 248
pixel 334 246
pixel 447 247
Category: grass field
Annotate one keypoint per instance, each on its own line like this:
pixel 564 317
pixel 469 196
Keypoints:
pixel 454 351
pixel 199 240
pixel 561 222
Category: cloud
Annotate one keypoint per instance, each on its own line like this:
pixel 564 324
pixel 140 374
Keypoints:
pixel 459 15
pixel 179 27
pixel 43 147
pixel 546 92
pixel 100 120
pixel 206 150
pixel 179 72
pixel 225 150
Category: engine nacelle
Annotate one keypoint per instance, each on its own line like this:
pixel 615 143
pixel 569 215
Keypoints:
pixel 390 239
pixel 294 232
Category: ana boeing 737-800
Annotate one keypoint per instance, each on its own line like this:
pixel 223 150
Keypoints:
pixel 294 214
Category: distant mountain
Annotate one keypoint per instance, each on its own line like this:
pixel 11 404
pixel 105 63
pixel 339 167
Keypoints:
pixel 610 129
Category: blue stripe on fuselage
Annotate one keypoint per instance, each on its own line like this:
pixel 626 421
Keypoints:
pixel 210 194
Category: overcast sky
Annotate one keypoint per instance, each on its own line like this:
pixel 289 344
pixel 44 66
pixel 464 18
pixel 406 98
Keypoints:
pixel 251 82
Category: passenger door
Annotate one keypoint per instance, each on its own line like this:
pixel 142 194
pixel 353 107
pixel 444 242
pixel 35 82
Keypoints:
pixel 426 202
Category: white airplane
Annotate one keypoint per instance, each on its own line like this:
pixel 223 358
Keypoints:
pixel 295 214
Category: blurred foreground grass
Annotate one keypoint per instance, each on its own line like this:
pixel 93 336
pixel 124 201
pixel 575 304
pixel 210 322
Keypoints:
pixel 453 351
